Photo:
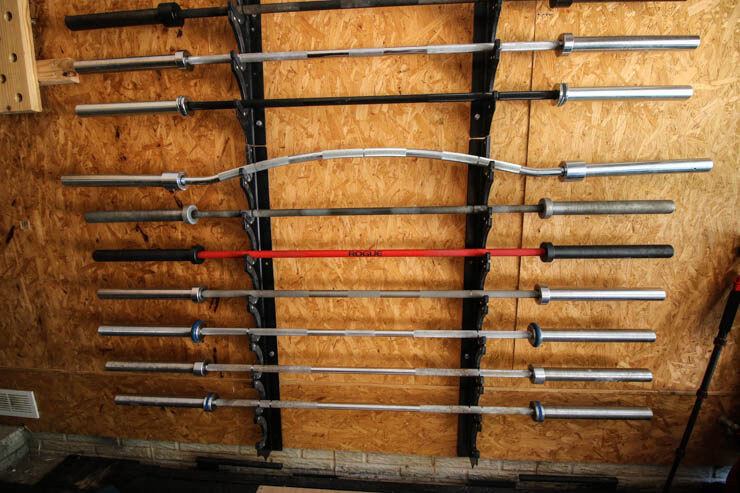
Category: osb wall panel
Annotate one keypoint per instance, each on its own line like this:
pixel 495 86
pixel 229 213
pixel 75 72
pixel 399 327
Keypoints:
pixel 704 230
pixel 50 341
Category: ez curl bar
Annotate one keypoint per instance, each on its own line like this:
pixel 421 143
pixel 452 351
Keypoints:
pixel 568 170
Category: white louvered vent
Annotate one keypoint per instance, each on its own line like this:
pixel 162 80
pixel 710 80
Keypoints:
pixel 18 403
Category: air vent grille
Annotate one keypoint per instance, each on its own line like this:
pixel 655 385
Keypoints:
pixel 18 403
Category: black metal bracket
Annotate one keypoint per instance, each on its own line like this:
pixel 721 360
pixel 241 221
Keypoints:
pixel 477 226
pixel 485 64
pixel 249 76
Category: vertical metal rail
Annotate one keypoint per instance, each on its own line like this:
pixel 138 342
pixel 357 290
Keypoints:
pixel 248 33
pixel 725 326
pixel 480 180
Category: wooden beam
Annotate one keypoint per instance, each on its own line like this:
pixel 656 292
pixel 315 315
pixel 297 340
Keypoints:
pixel 56 72
pixel 19 86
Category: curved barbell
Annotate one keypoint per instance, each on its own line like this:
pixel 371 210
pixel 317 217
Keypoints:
pixel 568 170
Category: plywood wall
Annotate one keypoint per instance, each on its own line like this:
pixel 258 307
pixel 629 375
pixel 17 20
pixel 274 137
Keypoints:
pixel 51 312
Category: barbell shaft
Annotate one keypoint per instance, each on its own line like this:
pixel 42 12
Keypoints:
pixel 545 335
pixel 542 294
pixel 536 410
pixel 537 375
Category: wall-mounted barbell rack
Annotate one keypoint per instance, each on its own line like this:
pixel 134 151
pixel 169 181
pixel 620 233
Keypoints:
pixel 246 66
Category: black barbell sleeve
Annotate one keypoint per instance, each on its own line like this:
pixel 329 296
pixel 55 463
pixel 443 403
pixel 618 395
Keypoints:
pixel 553 252
pixel 166 14
pixel 154 255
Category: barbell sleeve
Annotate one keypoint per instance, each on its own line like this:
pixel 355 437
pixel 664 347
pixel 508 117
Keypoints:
pixel 169 181
pixel 553 252
pixel 157 401
pixel 166 14
pixel 153 255
pixel 541 412
pixel 588 335
pixel 541 375
pixel 536 410
pixel 572 44
pixel 554 4
pixel 164 215
pixel 178 105
pixel 546 295
pixel 549 208
pixel 542 294
pixel 178 60
pixel 576 170
pixel 124 330
pixel 149 366
pixel 194 294
pixel 534 333
pixel 651 93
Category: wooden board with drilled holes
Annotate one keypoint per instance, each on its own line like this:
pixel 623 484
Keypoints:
pixel 19 86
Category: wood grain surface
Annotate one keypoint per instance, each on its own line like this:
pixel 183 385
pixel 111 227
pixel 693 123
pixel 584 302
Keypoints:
pixel 49 279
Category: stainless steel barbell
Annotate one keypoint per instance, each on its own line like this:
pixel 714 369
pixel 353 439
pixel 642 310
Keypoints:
pixel 568 171
pixel 565 45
